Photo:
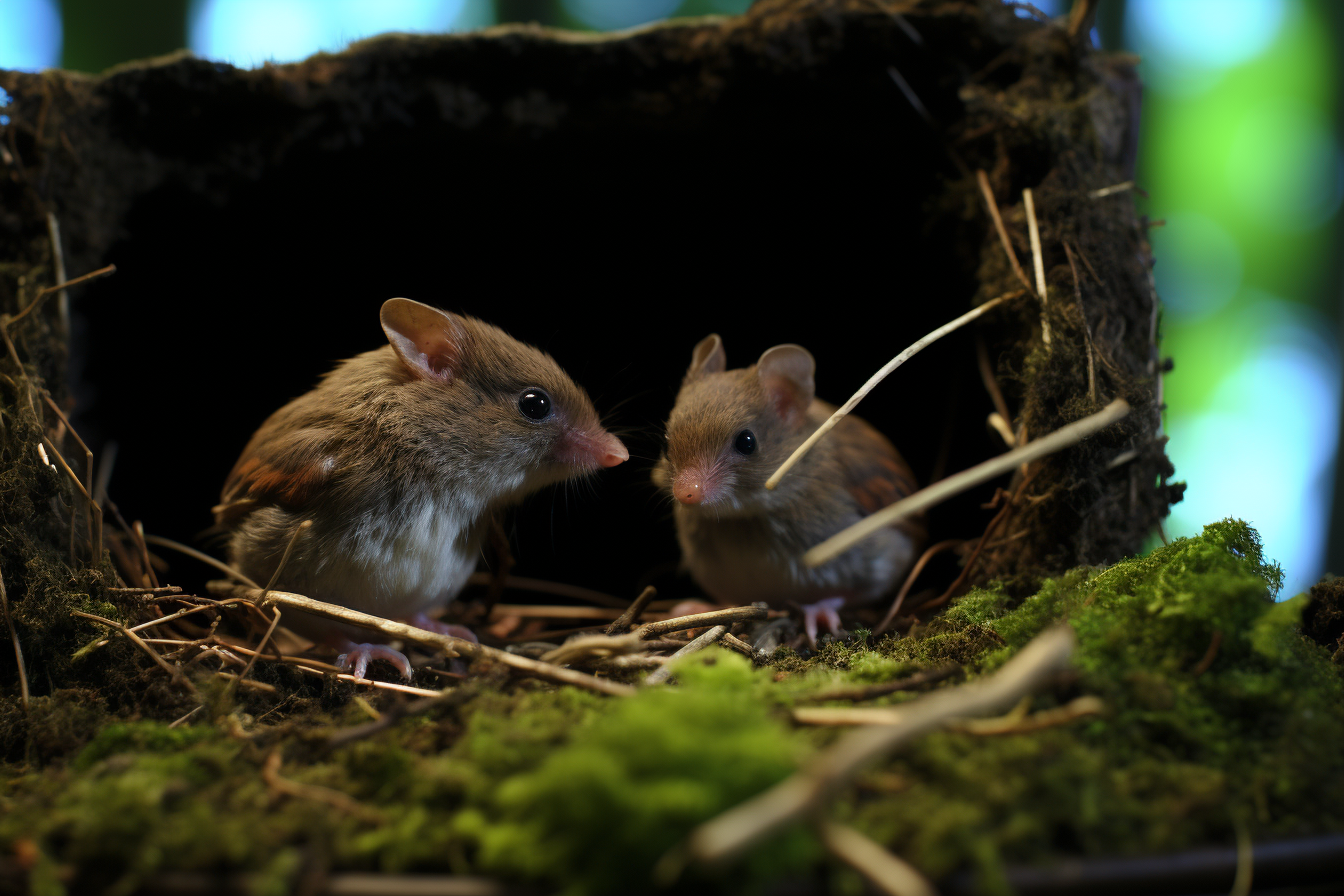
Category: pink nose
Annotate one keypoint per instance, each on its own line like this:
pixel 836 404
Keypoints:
pixel 615 452
pixel 688 490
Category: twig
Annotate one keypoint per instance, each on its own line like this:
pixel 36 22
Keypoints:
pixel 1087 331
pixel 631 615
pixel 396 713
pixel 237 680
pixel 884 870
pixel 270 773
pixel 201 556
pixel 1122 458
pixel 95 512
pixel 187 716
pixel 991 384
pixel 57 253
pixel 1008 502
pixel 725 616
pixel 923 561
pixel 1211 654
pixel 868 692
pixel 18 650
pixel 733 641
pixel 993 206
pixel 739 828
pixel 1021 723
pixel 1037 261
pixel 658 676
pixel 1111 190
pixel 446 643
pixel 1058 440
pixel 173 672
pixel 882 374
pixel 92 275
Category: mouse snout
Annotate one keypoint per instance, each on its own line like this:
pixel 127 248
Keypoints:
pixel 689 487
pixel 612 451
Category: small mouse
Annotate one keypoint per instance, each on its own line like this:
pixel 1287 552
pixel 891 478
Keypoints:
pixel 400 457
pixel 729 430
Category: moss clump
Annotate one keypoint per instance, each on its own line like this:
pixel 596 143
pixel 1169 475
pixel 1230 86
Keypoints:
pixel 583 794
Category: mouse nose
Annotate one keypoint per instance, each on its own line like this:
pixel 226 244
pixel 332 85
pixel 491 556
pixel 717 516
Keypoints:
pixel 615 452
pixel 688 490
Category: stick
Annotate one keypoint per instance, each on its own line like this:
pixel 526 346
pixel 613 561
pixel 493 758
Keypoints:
pixel 1037 260
pixel 446 643
pixel 700 620
pixel 1108 191
pixel 92 275
pixel 173 672
pixel 909 582
pixel 1087 332
pixel 741 827
pixel 631 615
pixel 95 512
pixel 883 869
pixel 18 650
pixel 993 206
pixel 878 377
pixel 658 676
pixel 201 556
pixel 1058 440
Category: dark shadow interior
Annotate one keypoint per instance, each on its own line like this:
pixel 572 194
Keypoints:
pixel 814 218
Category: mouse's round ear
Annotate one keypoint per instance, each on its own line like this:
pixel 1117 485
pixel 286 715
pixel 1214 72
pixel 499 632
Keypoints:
pixel 786 373
pixel 431 343
pixel 707 357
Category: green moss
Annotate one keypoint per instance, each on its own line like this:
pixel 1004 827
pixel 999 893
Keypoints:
pixel 579 793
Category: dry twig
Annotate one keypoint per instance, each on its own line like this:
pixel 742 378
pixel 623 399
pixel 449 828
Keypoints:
pixel 658 676
pixel 1037 260
pixel 739 828
pixel 883 869
pixel 940 491
pixel 917 346
pixel 988 192
pixel 631 615
pixel 18 650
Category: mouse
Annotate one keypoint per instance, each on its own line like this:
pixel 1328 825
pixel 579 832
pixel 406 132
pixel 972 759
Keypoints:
pixel 728 431
pixel 400 457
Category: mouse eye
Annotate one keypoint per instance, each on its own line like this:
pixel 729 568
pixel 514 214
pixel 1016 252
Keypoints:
pixel 535 404
pixel 745 443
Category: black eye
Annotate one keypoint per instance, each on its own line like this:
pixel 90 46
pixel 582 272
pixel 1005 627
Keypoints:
pixel 535 404
pixel 745 443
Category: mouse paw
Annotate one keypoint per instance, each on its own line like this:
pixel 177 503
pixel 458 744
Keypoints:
pixel 827 612
pixel 420 620
pixel 357 657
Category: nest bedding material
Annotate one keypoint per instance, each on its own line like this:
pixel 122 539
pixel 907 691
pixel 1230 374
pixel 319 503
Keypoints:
pixel 532 784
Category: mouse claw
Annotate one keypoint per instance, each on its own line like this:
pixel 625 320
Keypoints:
pixel 825 610
pixel 357 658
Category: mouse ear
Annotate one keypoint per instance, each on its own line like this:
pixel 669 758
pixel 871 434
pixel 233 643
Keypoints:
pixel 786 374
pixel 431 343
pixel 707 357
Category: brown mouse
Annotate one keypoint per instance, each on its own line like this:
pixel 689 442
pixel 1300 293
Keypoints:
pixel 729 430
pixel 400 457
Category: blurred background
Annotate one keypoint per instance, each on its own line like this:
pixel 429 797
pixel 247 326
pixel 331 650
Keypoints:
pixel 1241 171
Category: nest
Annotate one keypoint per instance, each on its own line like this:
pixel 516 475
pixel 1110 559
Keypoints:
pixel 848 174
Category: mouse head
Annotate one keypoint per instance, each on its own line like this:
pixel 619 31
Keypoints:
pixel 730 429
pixel 493 403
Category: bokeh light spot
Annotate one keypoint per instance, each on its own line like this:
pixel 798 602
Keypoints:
pixel 1214 34
pixel 614 15
pixel 30 34
pixel 1198 268
pixel 250 32
pixel 1284 165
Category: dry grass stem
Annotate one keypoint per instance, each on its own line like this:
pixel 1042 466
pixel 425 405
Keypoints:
pixel 88 488
pixel 878 377
pixel 445 643
pixel 60 287
pixel 845 716
pixel 1022 723
pixel 1037 260
pixel 658 676
pixel 1122 458
pixel 18 650
pixel 884 870
pixel 191 713
pixel 1000 425
pixel 934 494
pixel 1111 190
pixel 909 582
pixel 174 672
pixel 988 192
pixel 881 689
pixel 199 555
pixel 736 830
pixel 633 612
pixel 726 616
pixel 733 642
pixel 238 680
pixel 1087 332
pixel 597 646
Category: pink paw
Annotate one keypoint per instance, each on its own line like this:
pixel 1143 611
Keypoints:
pixel 357 657
pixel 826 611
